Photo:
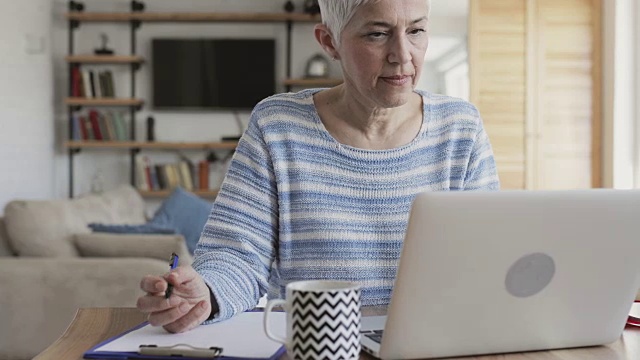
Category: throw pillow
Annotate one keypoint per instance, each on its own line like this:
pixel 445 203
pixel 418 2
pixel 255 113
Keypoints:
pixel 132 229
pixel 133 245
pixel 185 212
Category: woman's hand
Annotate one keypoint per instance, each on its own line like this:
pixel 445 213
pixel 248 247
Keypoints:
pixel 187 307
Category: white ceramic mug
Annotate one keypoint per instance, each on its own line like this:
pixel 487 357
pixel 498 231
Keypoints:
pixel 323 320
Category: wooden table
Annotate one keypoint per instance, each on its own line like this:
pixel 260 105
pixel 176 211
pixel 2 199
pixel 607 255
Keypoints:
pixel 93 325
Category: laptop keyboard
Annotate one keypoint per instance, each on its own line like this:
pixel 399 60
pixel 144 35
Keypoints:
pixel 375 335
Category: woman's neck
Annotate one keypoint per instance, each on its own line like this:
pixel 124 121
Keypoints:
pixel 354 123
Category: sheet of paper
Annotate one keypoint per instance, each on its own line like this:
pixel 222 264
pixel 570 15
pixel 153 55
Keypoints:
pixel 240 336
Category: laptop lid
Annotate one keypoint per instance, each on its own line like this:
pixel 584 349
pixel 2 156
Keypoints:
pixel 496 272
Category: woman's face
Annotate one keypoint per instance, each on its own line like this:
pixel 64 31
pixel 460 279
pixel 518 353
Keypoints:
pixel 382 50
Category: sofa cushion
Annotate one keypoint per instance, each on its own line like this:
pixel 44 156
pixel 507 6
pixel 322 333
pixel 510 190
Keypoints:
pixel 131 229
pixel 133 245
pixel 5 247
pixel 185 212
pixel 46 228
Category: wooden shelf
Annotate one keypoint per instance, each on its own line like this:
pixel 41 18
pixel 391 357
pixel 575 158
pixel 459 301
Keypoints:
pixel 104 59
pixel 99 17
pixel 313 82
pixel 103 102
pixel 165 193
pixel 98 144
pixel 192 17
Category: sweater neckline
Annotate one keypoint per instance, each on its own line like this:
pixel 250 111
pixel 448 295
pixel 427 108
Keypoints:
pixel 322 130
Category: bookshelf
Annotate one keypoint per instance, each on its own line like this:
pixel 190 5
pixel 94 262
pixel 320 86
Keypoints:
pixel 104 59
pixel 192 17
pixel 135 19
pixel 75 101
pixel 128 145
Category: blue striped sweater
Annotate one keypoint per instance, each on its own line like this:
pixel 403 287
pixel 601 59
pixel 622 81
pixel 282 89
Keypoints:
pixel 298 205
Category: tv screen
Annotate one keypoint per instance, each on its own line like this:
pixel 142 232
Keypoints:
pixel 212 73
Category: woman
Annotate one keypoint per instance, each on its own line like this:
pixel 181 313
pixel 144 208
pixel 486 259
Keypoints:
pixel 322 180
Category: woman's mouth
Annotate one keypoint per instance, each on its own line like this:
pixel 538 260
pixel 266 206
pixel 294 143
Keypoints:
pixel 397 80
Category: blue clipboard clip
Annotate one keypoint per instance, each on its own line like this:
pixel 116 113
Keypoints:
pixel 181 350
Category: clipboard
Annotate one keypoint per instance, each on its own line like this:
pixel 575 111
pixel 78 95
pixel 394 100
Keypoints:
pixel 239 338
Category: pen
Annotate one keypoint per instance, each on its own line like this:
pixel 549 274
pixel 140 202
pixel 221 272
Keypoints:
pixel 173 263
pixel 180 350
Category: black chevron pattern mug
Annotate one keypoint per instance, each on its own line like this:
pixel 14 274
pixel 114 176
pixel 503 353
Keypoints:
pixel 323 320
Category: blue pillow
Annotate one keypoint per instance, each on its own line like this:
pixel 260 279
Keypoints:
pixel 185 212
pixel 132 229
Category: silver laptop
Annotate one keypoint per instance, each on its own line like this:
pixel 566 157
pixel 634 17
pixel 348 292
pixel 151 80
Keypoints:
pixel 511 271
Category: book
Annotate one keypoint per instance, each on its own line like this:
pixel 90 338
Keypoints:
pixel 161 177
pixel 103 84
pixel 203 175
pixel 108 122
pixel 82 122
pixel 147 172
pixel 116 126
pixel 141 176
pixel 109 81
pixel 103 127
pixel 75 127
pixel 88 127
pixel 174 176
pixel 93 83
pixel 76 82
pixel 185 174
pixel 94 118
pixel 121 126
pixel 86 80
pixel 191 167
pixel 155 184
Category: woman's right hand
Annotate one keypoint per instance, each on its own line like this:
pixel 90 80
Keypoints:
pixel 188 306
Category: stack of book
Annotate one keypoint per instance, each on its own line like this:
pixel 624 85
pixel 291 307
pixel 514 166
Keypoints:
pixel 99 125
pixel 183 173
pixel 87 83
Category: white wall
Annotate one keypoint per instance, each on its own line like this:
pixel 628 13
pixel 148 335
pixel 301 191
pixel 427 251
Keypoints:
pixel 26 110
pixel 431 79
pixel 621 93
pixel 636 61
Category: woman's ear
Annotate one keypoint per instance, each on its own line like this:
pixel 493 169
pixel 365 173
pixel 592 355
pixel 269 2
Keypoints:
pixel 325 39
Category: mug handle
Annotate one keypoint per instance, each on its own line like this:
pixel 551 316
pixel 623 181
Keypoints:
pixel 265 323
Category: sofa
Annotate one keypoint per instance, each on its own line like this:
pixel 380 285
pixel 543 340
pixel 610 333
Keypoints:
pixel 51 264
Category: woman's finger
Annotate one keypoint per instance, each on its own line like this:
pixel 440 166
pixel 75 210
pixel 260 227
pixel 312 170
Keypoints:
pixel 172 314
pixel 153 284
pixel 154 303
pixel 180 275
pixel 196 316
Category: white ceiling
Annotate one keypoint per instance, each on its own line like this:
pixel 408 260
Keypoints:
pixel 455 8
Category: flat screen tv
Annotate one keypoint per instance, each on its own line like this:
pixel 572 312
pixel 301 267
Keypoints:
pixel 232 74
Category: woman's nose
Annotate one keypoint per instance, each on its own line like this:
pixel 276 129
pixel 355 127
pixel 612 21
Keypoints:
pixel 399 51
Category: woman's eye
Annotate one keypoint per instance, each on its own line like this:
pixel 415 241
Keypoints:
pixel 377 35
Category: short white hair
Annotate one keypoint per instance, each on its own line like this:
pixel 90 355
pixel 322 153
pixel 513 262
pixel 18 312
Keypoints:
pixel 337 13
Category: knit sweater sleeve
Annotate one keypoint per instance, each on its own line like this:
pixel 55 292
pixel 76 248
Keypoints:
pixel 237 246
pixel 481 171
